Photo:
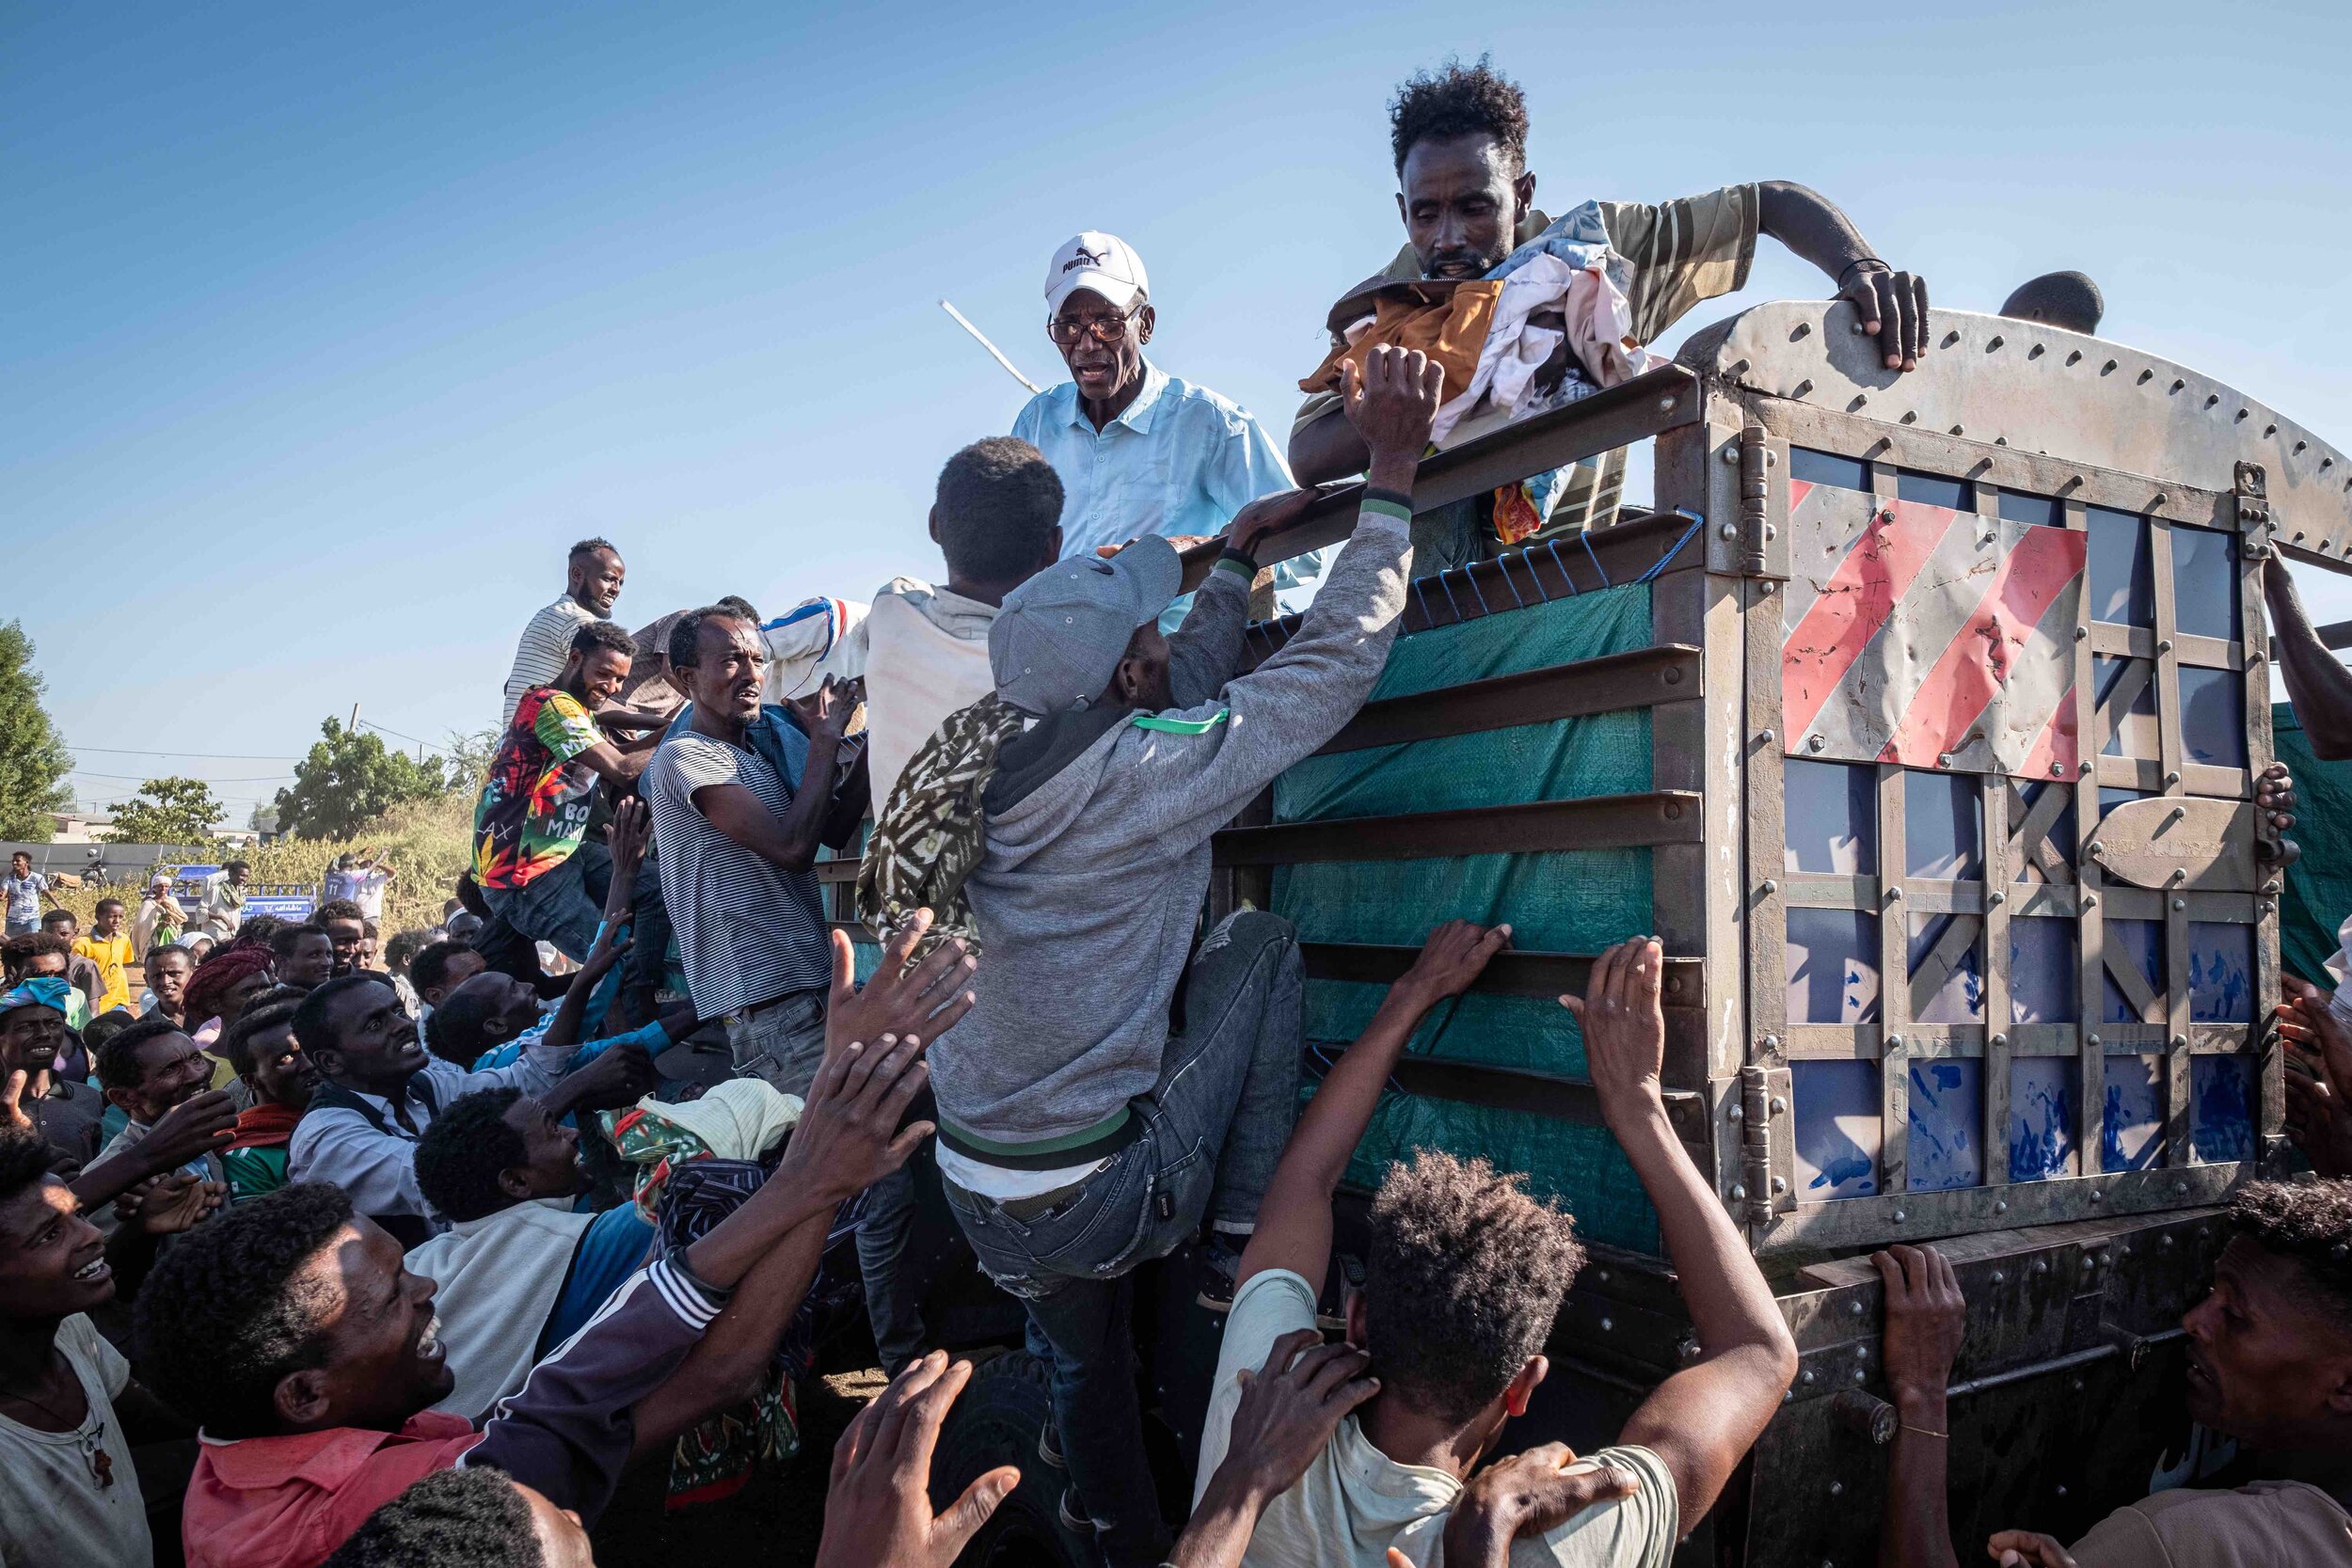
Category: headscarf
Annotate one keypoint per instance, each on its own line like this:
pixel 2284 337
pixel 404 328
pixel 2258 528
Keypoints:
pixel 41 990
pixel 221 969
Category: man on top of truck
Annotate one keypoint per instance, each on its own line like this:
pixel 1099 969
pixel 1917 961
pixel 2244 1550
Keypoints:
pixel 1467 198
pixel 1465 1275
pixel 1084 1128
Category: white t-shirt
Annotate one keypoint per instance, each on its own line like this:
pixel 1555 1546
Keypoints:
pixel 1354 1502
pixel 363 885
pixel 54 1514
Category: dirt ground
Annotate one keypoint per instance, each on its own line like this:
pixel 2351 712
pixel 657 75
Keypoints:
pixel 773 1521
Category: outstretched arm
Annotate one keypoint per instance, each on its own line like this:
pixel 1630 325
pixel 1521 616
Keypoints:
pixel 1295 1220
pixel 1894 305
pixel 1926 1319
pixel 1701 1420
pixel 2318 684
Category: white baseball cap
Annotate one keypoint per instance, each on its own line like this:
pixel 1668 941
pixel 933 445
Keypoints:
pixel 1103 263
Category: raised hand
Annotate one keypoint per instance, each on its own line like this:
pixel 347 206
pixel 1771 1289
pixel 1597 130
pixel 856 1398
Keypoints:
pixel 1927 1318
pixel 1894 309
pixel 878 1504
pixel 825 712
pixel 1625 1033
pixel 1265 515
pixel 918 1003
pixel 849 1138
pixel 628 834
pixel 12 1096
pixel 1456 954
pixel 1392 402
pixel 1289 1407
pixel 190 1130
pixel 170 1204
pixel 2023 1548
pixel 1526 1495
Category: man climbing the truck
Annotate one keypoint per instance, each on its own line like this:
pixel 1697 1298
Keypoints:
pixel 1467 199
pixel 1085 1128
pixel 1465 1275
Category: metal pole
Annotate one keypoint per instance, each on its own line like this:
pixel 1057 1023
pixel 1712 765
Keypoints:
pixel 994 353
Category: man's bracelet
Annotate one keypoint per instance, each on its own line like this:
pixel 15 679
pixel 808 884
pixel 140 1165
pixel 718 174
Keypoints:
pixel 1240 557
pixel 1861 262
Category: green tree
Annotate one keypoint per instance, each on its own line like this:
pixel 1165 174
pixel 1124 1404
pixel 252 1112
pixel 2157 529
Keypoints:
pixel 348 778
pixel 33 757
pixel 470 758
pixel 167 810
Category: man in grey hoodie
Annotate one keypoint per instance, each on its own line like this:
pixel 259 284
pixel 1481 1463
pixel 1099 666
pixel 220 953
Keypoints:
pixel 1080 1133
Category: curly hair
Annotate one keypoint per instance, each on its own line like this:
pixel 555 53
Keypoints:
pixel 237 1041
pixel 685 633
pixel 604 635
pixel 24 1158
pixel 256 930
pixel 283 940
pixel 462 1152
pixel 998 503
pixel 337 908
pixel 1464 1276
pixel 22 950
pixel 430 967
pixel 220 1321
pixel 2312 1223
pixel 459 1518
pixel 1460 100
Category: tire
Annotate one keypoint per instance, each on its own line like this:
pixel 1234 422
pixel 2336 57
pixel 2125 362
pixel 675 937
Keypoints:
pixel 997 1421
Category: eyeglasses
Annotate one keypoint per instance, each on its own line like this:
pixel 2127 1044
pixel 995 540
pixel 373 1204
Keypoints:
pixel 1106 329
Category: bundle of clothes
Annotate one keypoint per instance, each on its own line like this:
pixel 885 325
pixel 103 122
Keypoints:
pixel 1548 327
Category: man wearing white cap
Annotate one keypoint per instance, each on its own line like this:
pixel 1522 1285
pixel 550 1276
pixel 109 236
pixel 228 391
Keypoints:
pixel 1139 452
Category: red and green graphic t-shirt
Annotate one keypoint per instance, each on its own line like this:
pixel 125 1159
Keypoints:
pixel 535 804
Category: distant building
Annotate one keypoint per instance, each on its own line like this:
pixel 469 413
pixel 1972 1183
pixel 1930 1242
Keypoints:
pixel 74 827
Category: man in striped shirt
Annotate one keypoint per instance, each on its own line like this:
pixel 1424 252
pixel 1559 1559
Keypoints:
pixel 591 584
pixel 1468 199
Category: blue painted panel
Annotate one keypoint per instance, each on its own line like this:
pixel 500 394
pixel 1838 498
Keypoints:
pixel 2131 1136
pixel 1942 826
pixel 2041 1119
pixel 1838 1129
pixel 1947 1124
pixel 2205 583
pixel 2221 1109
pixel 2044 972
pixel 1961 998
pixel 2220 972
pixel 1833 966
pixel 2122 576
pixel 2213 716
pixel 1831 815
pixel 2141 944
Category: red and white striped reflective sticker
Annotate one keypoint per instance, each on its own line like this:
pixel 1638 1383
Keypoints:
pixel 1923 636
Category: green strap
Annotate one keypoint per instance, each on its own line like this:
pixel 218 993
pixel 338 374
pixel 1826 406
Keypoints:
pixel 1179 726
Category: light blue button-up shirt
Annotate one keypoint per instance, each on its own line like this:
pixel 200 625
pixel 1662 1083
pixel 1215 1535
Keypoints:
pixel 1178 460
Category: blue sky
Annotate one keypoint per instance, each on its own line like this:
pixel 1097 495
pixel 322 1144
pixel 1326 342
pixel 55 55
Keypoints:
pixel 324 329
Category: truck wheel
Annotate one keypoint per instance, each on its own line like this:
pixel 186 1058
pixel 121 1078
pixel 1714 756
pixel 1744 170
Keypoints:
pixel 997 1421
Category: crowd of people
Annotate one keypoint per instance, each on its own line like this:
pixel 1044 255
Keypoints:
pixel 426 1245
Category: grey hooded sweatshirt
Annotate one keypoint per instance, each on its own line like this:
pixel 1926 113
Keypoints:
pixel 1097 833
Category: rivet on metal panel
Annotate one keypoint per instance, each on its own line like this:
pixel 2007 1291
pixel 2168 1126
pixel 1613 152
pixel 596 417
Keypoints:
pixel 1804 329
pixel 1894 895
pixel 1855 407
pixel 2268 431
pixel 1738 1193
pixel 2082 634
pixel 1893 1041
pixel 2212 398
pixel 1779 1107
pixel 2172 778
pixel 1854 1307
pixel 2000 1039
pixel 1950 337
pixel 2075 357
pixel 2271 887
pixel 1861 1376
pixel 1735 1114
pixel 2123 1250
pixel 1943 759
pixel 1911 418
pixel 2262 907
pixel 2001 1206
pixel 2179 1040
pixel 2097 847
pixel 1997 897
pixel 2106 368
pixel 2058 770
pixel 1606 1326
pixel 1780 1184
pixel 1999 1278
pixel 1601 1276
pixel 1816 742
pixel 2061 1491
pixel 1861 1353
pixel 2145 377
pixel 1898 1216
pixel 2090 901
pixel 1805 1376
pixel 1763 738
pixel 2094 1038
pixel 1769 887
pixel 1665 405
pixel 2041 1265
pixel 1956 430
pixel 1765 587
pixel 1673 811
pixel 1731 454
pixel 2164 644
pixel 1837 1488
pixel 1994 343
pixel 2177 385
pixel 2241 415
pixel 1788 1396
pixel 2164 1243
pixel 2300 445
pixel 1802 387
pixel 2180 903
pixel 1727 532
pixel 2096 1195
pixel 1674 675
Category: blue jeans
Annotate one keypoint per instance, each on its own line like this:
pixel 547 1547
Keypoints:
pixel 563 907
pixel 1213 1128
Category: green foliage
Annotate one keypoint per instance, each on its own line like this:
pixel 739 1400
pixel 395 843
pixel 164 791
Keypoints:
pixel 33 757
pixel 470 758
pixel 348 778
pixel 167 810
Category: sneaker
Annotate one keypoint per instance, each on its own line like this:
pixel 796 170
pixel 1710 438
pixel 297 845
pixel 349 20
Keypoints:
pixel 1049 1446
pixel 1217 1261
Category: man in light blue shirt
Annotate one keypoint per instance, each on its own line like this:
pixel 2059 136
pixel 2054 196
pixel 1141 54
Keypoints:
pixel 1139 451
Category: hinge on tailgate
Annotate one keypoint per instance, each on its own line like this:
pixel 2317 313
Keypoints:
pixel 1763 1096
pixel 2252 493
pixel 1755 529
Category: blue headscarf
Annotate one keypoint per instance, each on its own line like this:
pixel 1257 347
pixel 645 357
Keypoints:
pixel 43 991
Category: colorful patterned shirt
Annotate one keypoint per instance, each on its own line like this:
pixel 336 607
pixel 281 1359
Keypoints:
pixel 535 804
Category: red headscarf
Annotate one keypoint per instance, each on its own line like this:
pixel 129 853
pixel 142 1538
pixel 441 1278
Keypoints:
pixel 221 970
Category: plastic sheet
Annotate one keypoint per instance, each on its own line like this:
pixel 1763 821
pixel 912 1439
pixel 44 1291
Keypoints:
pixel 1574 901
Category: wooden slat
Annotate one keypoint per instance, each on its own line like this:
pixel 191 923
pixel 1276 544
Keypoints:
pixel 1509 972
